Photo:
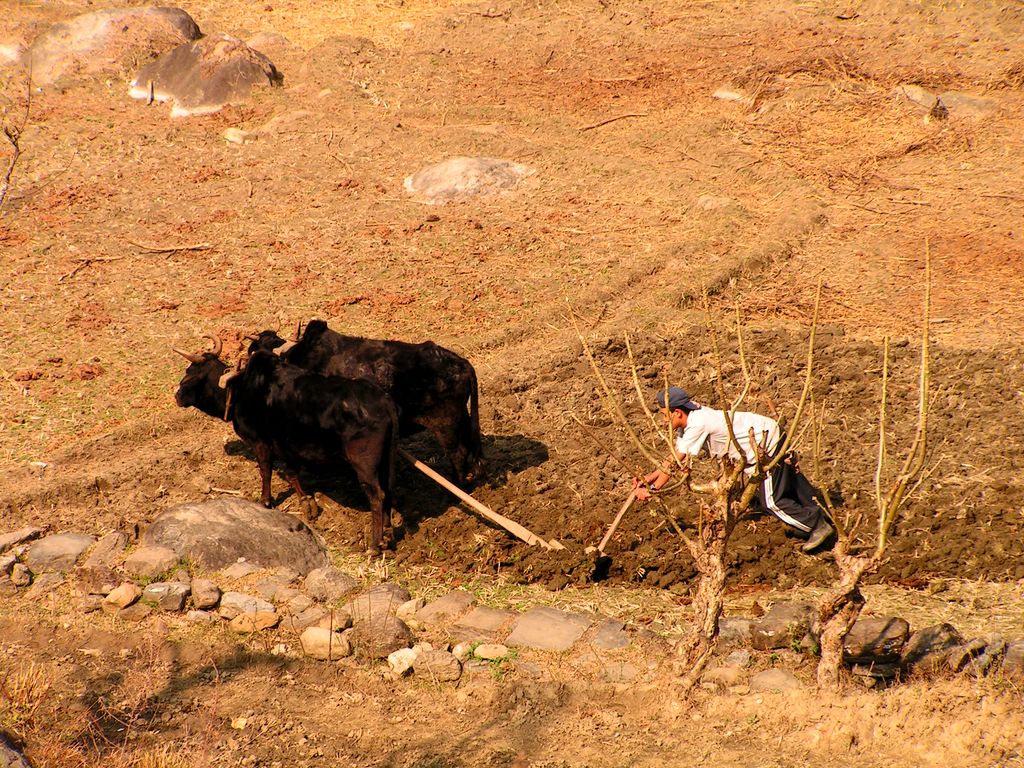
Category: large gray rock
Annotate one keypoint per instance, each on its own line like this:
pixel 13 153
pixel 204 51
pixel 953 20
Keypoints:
pixel 106 41
pixel 376 602
pixel 151 561
pixel 445 608
pixel 548 629
pixel 875 640
pixel 783 627
pixel 459 178
pixel 329 584
pixel 58 552
pixel 927 649
pixel 204 76
pixel 216 533
pixel 380 637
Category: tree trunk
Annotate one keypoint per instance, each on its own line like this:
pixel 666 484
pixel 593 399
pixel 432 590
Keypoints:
pixel 708 552
pixel 837 613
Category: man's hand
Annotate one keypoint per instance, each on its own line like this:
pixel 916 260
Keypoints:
pixel 640 490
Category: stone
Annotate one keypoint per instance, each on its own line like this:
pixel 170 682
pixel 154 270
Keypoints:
pixel 10 757
pixel 7 587
pixel 740 657
pixel 246 623
pixel 7 564
pixel 234 603
pixel 775 680
pixel 878 671
pixel 734 631
pixel 107 550
pixel 547 629
pixel 401 661
pixel 90 604
pixel 926 650
pixel 784 626
pixel 21 576
pixel 460 178
pixel 19 536
pixel 380 636
pixel 201 617
pixel 490 651
pixel 960 656
pixel 336 621
pixel 96 579
pixel 58 552
pixel 1013 660
pixel 135 612
pixel 989 659
pixel 150 561
pixel 205 594
pixel 725 676
pixel 104 41
pixel 239 569
pixel 270 586
pixel 407 610
pixel 610 635
pixel 875 639
pixel 307 618
pixel 299 603
pixel 445 608
pixel 382 599
pixel 329 584
pixel 167 596
pixel 319 643
pixel 121 597
pixel 216 533
pixel 462 651
pixel 482 623
pixel 205 75
pixel 437 666
pixel 45 583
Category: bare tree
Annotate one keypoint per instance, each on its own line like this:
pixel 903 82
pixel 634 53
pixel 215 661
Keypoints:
pixel 840 606
pixel 719 503
pixel 12 130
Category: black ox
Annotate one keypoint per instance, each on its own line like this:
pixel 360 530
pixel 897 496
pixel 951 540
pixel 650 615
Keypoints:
pixel 429 384
pixel 302 418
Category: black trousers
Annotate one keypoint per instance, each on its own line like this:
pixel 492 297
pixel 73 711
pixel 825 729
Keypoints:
pixel 788 495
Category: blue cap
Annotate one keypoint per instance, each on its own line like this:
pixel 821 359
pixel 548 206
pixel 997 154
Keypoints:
pixel 677 400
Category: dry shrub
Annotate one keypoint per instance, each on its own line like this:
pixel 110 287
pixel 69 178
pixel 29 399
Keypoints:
pixel 22 692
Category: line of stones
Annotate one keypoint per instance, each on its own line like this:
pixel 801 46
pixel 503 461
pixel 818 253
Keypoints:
pixel 379 622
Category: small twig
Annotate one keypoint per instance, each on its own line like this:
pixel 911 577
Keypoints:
pixel 612 120
pixel 229 491
pixel 170 248
pixel 84 262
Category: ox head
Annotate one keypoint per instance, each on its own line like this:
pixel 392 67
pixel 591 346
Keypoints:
pixel 200 386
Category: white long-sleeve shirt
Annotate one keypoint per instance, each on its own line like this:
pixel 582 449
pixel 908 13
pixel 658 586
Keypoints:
pixel 706 428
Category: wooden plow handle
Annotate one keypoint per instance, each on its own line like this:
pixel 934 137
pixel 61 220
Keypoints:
pixel 509 525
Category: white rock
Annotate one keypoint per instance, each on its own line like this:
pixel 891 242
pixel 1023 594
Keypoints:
pixel 320 643
pixel 401 661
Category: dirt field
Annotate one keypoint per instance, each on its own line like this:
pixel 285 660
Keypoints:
pixel 125 233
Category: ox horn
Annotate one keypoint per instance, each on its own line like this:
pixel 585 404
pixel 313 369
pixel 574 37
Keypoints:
pixel 192 357
pixel 298 331
pixel 217 343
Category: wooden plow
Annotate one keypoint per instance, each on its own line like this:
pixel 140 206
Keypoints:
pixel 511 526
